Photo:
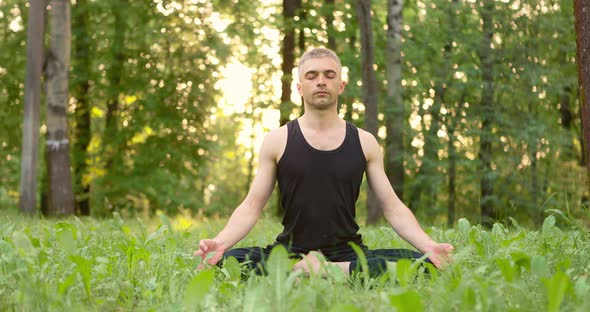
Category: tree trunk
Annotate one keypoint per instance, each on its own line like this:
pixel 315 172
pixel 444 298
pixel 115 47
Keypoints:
pixel 582 15
pixel 288 53
pixel 369 91
pixel 61 197
pixel 488 211
pixel 329 16
pixel 81 90
pixel 347 97
pixel 32 102
pixel 302 13
pixel 394 111
pixel 452 176
pixel 114 77
pixel 424 195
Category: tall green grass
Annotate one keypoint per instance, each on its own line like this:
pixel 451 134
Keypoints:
pixel 90 265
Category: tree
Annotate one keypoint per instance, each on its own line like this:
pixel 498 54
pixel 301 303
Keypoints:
pixel 485 53
pixel 328 10
pixel 370 91
pixel 61 196
pixel 112 141
pixel 288 53
pixel 394 109
pixel 582 9
pixel 30 143
pixel 81 88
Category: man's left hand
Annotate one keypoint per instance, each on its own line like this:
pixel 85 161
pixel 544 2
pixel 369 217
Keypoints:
pixel 439 254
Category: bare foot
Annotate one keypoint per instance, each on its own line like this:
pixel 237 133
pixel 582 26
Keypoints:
pixel 312 263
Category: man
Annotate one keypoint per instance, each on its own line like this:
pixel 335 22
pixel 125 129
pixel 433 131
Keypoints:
pixel 319 160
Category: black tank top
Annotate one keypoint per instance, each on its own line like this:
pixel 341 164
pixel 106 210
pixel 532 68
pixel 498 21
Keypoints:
pixel 319 190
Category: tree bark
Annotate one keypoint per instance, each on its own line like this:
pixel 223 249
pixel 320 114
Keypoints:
pixel 110 139
pixel 288 53
pixel 369 91
pixel 329 16
pixel 582 15
pixel 81 90
pixel 302 13
pixel 61 196
pixel 394 111
pixel 32 102
pixel 488 211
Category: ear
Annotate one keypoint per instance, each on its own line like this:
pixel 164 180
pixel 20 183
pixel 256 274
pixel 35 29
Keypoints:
pixel 341 87
pixel 299 88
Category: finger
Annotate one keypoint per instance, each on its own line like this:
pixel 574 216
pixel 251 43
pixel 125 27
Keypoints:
pixel 435 262
pixel 203 246
pixel 198 253
pixel 216 258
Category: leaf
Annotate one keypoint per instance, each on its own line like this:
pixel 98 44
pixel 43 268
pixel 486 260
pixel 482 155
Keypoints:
pixel 497 230
pixel 521 259
pixel 166 221
pixel 539 266
pixel 404 271
pixel 581 287
pixel 515 223
pixel 506 268
pixel 407 301
pixel 65 238
pixel 156 234
pixel 23 244
pixel 464 226
pixel 363 261
pixel 233 269
pixel 278 267
pixel 548 225
pixel 198 288
pixel 556 287
pixel 84 267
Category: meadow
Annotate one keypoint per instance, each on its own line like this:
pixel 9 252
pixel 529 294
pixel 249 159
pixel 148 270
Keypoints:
pixel 125 264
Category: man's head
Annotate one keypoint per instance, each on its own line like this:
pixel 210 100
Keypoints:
pixel 320 79
pixel 318 53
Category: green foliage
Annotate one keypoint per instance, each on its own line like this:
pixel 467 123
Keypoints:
pixel 198 288
pixel 174 149
pixel 128 265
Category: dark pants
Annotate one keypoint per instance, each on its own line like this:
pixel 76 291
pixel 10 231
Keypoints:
pixel 255 257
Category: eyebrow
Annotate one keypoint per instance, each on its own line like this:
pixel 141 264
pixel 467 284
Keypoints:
pixel 316 71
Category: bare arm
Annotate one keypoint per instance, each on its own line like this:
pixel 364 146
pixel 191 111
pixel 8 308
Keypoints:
pixel 401 219
pixel 247 213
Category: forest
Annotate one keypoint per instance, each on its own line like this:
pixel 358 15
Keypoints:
pixel 131 130
pixel 475 103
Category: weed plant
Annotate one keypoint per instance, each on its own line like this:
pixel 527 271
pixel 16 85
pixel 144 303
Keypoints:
pixel 114 265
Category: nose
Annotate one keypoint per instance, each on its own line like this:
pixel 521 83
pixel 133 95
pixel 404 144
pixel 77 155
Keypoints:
pixel 321 80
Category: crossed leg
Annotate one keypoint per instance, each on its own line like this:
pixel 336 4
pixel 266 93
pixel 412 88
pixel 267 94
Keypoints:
pixel 316 262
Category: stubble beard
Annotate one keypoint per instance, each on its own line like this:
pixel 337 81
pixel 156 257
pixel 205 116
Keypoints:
pixel 322 104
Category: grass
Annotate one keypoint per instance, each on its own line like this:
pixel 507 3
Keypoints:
pixel 106 265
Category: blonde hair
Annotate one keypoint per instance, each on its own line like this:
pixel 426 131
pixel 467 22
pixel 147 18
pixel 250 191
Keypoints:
pixel 317 53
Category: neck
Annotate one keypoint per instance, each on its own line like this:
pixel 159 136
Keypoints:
pixel 321 119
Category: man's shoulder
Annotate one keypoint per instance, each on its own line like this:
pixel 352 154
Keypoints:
pixel 366 136
pixel 275 142
pixel 277 134
pixel 369 144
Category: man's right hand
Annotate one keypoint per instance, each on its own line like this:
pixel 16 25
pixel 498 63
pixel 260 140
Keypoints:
pixel 207 246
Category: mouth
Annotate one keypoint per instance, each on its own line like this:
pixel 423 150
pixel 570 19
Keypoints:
pixel 321 93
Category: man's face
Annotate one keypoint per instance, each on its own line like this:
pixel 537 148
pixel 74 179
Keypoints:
pixel 320 83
